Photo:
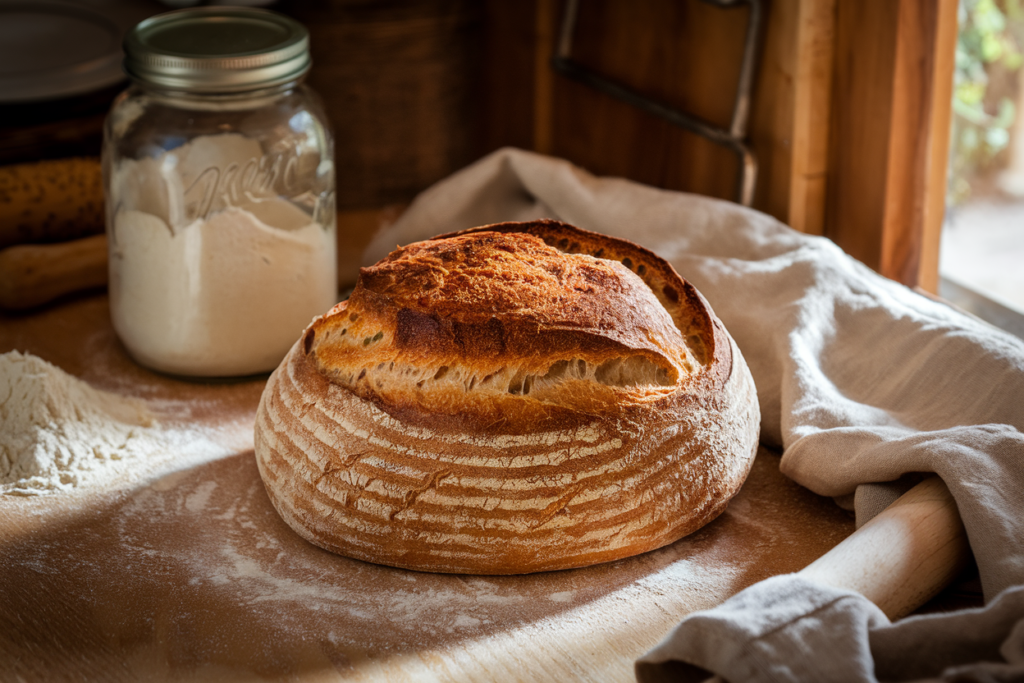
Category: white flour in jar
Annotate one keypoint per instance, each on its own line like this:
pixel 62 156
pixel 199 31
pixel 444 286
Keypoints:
pixel 216 281
pixel 58 434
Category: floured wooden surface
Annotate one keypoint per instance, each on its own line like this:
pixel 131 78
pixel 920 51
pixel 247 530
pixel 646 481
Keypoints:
pixel 191 575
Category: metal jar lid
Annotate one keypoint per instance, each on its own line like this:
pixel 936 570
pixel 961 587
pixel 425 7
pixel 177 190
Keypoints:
pixel 217 50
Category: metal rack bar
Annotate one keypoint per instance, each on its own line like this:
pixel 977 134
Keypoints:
pixel 733 138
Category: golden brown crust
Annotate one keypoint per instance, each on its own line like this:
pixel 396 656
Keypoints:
pixel 688 309
pixel 509 399
pixel 520 309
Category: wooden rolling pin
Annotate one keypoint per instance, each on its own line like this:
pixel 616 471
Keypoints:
pixel 904 556
pixel 900 559
pixel 34 274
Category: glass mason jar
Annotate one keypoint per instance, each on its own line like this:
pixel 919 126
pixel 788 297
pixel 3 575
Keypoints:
pixel 219 178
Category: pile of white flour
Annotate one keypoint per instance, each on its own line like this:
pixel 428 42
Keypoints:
pixel 57 433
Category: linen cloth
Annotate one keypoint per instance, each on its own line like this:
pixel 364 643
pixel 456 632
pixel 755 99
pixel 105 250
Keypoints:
pixel 860 380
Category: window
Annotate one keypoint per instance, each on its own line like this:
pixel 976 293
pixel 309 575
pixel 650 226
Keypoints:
pixel 982 253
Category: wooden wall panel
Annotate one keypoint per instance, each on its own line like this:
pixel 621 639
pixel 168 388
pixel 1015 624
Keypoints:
pixel 683 54
pixel 849 119
pixel 507 88
pixel 546 29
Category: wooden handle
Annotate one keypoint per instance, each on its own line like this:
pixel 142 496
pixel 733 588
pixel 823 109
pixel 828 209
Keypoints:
pixel 50 201
pixel 31 275
pixel 904 556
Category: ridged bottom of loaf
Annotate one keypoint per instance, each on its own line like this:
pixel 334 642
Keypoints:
pixel 354 480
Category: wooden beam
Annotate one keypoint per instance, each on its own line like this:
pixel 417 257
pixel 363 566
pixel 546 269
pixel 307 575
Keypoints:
pixel 938 157
pixel 508 77
pixel 887 109
pixel 862 89
pixel 812 102
pixel 909 141
pixel 771 133
pixel 544 80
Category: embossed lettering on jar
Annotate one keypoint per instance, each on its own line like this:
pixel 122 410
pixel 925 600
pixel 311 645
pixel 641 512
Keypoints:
pixel 218 166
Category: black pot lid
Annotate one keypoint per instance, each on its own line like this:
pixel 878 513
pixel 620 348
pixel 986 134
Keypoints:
pixel 52 49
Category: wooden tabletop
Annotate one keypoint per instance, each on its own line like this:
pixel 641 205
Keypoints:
pixel 189 574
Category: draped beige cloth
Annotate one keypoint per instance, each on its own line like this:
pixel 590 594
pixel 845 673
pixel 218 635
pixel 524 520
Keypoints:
pixel 862 383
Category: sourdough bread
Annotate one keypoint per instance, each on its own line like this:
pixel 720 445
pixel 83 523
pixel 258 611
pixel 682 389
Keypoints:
pixel 513 398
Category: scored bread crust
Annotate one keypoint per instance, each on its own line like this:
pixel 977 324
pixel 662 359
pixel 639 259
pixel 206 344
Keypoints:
pixel 513 398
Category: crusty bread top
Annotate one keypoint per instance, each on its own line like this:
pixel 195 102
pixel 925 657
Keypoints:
pixel 537 320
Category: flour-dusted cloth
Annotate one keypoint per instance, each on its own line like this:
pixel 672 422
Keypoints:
pixel 861 381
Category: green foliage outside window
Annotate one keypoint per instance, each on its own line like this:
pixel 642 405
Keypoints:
pixel 989 39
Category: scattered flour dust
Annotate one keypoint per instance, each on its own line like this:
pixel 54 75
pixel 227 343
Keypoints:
pixel 57 433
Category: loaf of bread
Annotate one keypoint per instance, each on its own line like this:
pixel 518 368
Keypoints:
pixel 514 398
